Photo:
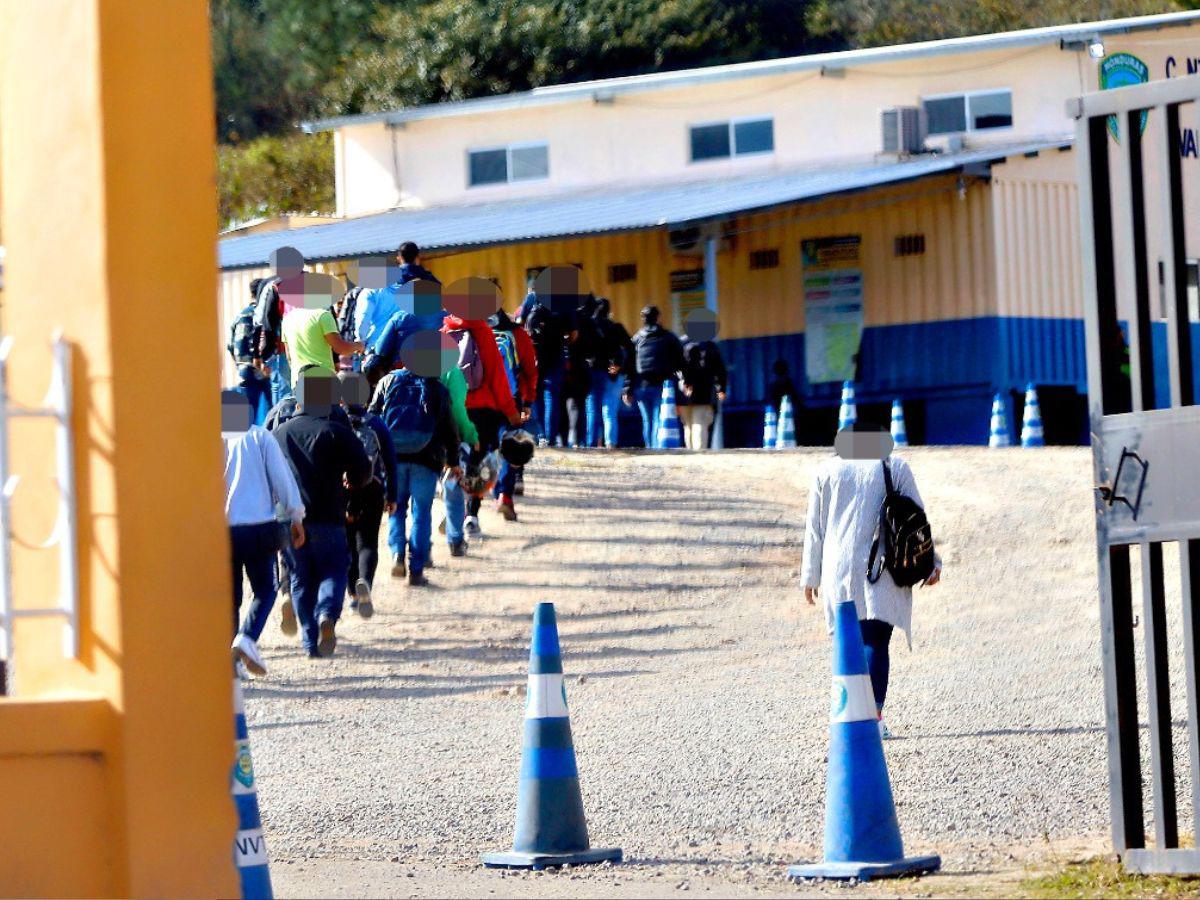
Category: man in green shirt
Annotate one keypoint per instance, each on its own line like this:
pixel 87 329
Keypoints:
pixel 311 338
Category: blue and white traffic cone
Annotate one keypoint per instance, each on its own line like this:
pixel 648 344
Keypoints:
pixel 769 429
pixel 1031 421
pixel 670 432
pixel 848 411
pixel 998 434
pixel 862 836
pixel 787 424
pixel 551 828
pixel 249 847
pixel 899 432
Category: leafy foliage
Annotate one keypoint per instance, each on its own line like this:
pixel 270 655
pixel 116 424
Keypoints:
pixel 272 175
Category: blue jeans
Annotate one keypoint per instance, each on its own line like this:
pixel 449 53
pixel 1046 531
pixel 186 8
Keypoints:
pixel 506 479
pixel 649 401
pixel 594 406
pixel 455 501
pixel 253 552
pixel 319 577
pixel 281 377
pixel 415 486
pixel 546 406
pixel 610 409
pixel 876 636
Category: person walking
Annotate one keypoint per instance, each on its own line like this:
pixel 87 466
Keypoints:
pixel 416 410
pixel 366 506
pixel 324 455
pixel 551 333
pixel 702 386
pixel 490 403
pixel 262 504
pixel 615 350
pixel 843 512
pixel 375 309
pixel 781 385
pixel 658 358
pixel 582 356
pixel 520 361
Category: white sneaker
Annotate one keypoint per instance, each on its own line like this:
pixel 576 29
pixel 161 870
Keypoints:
pixel 471 526
pixel 884 731
pixel 246 652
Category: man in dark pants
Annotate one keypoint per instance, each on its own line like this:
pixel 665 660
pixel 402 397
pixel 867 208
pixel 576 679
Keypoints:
pixel 367 505
pixel 323 453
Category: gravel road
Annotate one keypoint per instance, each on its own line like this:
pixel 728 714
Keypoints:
pixel 698 683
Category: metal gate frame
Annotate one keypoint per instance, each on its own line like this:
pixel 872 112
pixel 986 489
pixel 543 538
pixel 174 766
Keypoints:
pixel 1145 459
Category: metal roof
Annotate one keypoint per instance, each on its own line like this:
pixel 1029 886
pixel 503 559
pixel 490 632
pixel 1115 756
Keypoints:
pixel 608 88
pixel 597 211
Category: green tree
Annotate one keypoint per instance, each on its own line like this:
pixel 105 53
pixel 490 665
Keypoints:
pixel 272 175
pixel 873 23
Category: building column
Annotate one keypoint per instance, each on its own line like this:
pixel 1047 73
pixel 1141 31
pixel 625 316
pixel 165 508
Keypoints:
pixel 114 768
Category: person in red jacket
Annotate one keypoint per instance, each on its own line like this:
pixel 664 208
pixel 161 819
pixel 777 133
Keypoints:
pixel 520 359
pixel 490 402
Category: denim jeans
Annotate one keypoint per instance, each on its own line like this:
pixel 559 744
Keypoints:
pixel 610 409
pixel 876 637
pixel 319 577
pixel 548 422
pixel 649 401
pixel 415 486
pixel 506 480
pixel 597 390
pixel 281 377
pixel 253 549
pixel 455 501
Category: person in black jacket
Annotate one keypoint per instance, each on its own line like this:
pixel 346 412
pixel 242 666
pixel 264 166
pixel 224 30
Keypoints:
pixel 658 358
pixel 781 385
pixel 614 354
pixel 582 356
pixel 323 453
pixel 703 383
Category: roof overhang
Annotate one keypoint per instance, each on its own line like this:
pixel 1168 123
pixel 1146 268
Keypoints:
pixel 603 211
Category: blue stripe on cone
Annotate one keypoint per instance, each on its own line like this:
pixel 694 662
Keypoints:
pixel 862 836
pixel 551 828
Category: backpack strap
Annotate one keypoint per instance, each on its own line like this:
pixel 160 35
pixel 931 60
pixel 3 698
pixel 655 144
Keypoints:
pixel 887 479
pixel 873 573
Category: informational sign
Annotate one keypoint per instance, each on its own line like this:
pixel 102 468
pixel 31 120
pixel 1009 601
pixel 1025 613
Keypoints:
pixel 687 293
pixel 1122 70
pixel 833 306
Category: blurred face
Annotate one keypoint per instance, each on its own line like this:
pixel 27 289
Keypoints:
pixel 472 299
pixel 429 353
pixel 851 444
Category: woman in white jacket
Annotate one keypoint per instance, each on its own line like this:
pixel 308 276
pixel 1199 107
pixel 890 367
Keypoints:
pixel 843 510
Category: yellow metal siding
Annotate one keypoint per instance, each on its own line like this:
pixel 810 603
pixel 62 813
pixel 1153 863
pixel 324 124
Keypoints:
pixel 953 279
pixel 1037 238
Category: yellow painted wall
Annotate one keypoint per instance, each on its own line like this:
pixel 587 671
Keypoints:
pixel 115 767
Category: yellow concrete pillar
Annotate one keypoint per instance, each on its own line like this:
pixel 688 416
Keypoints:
pixel 114 769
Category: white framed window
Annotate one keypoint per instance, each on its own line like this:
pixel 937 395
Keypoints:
pixel 512 162
pixel 970 111
pixel 736 137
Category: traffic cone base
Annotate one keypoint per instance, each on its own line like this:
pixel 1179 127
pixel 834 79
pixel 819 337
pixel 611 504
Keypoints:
pixel 862 835
pixel 866 871
pixel 551 827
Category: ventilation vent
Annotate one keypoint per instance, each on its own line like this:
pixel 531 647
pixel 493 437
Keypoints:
pixel 622 272
pixel 764 259
pixel 910 244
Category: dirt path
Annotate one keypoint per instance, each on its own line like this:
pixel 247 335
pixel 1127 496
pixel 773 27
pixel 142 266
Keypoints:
pixel 698 684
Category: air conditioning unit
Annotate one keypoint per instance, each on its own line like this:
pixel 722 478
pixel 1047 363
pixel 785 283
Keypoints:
pixel 903 130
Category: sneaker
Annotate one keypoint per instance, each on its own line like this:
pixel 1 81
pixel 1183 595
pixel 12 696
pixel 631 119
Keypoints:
pixel 458 548
pixel 416 579
pixel 287 619
pixel 362 599
pixel 504 506
pixel 398 570
pixel 542 442
pixel 519 485
pixel 327 640
pixel 245 652
pixel 471 526
pixel 884 731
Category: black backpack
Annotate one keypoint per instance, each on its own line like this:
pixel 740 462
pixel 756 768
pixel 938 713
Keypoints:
pixel 905 536
pixel 242 345
pixel 345 319
pixel 548 334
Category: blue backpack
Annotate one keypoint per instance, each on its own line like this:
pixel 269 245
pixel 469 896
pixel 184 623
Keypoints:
pixel 507 345
pixel 410 411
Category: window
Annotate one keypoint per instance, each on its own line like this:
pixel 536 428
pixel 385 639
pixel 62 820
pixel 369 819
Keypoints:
pixel 764 259
pixel 741 137
pixel 909 244
pixel 622 272
pixel 976 111
pixel 500 165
